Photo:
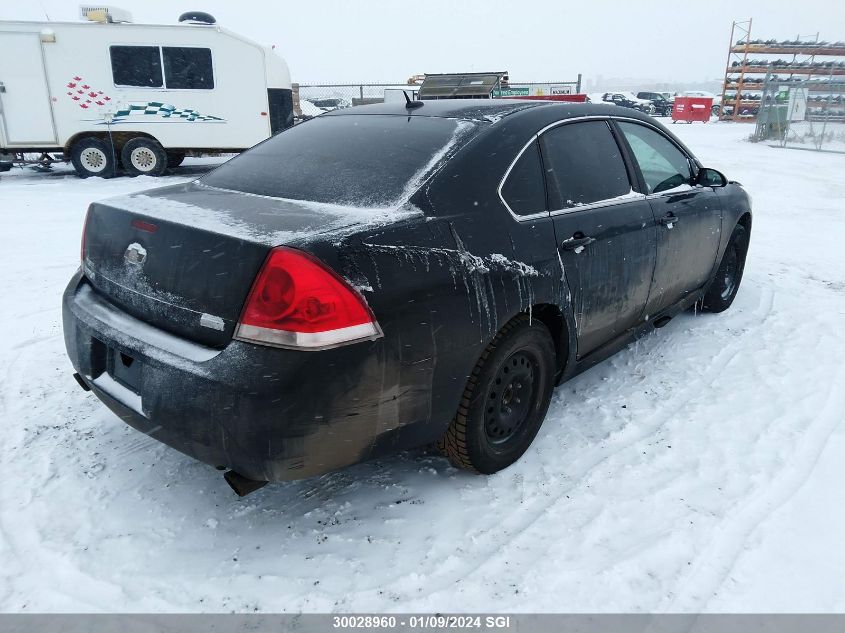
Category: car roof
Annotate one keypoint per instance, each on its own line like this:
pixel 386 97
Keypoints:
pixel 490 110
pixel 446 108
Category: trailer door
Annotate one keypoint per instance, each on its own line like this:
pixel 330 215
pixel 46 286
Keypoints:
pixel 24 97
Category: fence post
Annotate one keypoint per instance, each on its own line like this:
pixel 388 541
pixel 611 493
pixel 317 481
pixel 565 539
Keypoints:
pixel 361 88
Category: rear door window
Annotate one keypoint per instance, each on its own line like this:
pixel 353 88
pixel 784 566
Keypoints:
pixel 136 66
pixel 662 164
pixel 583 165
pixel 523 190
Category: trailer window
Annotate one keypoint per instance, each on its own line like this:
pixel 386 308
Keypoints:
pixel 188 68
pixel 136 66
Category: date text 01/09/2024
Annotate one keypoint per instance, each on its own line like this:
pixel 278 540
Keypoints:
pixel 421 622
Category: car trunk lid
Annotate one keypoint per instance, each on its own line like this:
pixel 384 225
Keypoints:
pixel 183 258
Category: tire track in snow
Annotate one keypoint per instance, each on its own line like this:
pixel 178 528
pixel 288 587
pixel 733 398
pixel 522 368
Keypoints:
pixel 713 565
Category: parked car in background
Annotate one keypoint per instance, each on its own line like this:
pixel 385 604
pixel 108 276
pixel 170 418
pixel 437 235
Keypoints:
pixel 628 100
pixel 461 259
pixel 662 106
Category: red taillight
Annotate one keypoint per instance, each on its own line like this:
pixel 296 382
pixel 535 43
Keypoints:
pixel 298 302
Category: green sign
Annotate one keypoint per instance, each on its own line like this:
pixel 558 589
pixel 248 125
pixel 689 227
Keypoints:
pixel 511 92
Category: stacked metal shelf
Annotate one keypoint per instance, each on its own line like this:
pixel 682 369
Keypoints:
pixel 757 70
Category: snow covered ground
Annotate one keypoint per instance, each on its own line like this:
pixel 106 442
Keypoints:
pixel 700 469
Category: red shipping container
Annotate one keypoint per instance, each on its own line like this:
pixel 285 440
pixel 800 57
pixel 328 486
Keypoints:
pixel 691 109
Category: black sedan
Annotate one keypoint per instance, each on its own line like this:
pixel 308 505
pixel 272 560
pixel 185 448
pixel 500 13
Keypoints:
pixel 386 277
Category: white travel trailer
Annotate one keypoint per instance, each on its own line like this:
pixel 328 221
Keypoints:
pixel 105 92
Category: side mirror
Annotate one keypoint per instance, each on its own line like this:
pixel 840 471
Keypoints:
pixel 711 178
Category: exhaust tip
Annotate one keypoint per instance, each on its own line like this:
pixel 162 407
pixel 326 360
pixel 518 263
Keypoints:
pixel 242 485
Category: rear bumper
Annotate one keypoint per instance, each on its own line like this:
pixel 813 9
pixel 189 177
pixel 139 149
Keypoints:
pixel 270 414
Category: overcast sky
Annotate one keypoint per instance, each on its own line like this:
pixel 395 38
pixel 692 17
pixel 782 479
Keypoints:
pixel 540 40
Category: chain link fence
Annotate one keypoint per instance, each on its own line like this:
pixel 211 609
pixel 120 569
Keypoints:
pixel 803 113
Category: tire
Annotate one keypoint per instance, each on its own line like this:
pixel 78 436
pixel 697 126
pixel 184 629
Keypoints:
pixel 91 156
pixel 722 291
pixel 493 427
pixel 143 157
pixel 174 159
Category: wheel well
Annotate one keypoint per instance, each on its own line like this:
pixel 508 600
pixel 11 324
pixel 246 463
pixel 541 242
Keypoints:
pixel 551 316
pixel 118 138
pixel 745 221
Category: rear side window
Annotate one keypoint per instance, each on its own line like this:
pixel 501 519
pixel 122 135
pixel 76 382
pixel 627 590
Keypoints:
pixel 136 66
pixel 523 190
pixel 188 68
pixel 662 164
pixel 583 165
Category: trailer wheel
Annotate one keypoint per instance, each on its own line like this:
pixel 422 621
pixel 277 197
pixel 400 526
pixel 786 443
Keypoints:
pixel 144 157
pixel 93 157
pixel 174 159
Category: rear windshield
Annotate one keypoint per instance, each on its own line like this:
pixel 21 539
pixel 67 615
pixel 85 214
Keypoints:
pixel 355 160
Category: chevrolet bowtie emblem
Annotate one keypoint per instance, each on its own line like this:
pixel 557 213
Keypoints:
pixel 135 254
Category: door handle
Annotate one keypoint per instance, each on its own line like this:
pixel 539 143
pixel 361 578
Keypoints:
pixel 574 242
pixel 669 220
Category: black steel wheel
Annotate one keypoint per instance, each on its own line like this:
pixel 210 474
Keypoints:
pixel 725 285
pixel 510 395
pixel 505 399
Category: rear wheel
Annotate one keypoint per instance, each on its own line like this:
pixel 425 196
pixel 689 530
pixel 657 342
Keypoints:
pixel 93 157
pixel 722 291
pixel 144 157
pixel 505 400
